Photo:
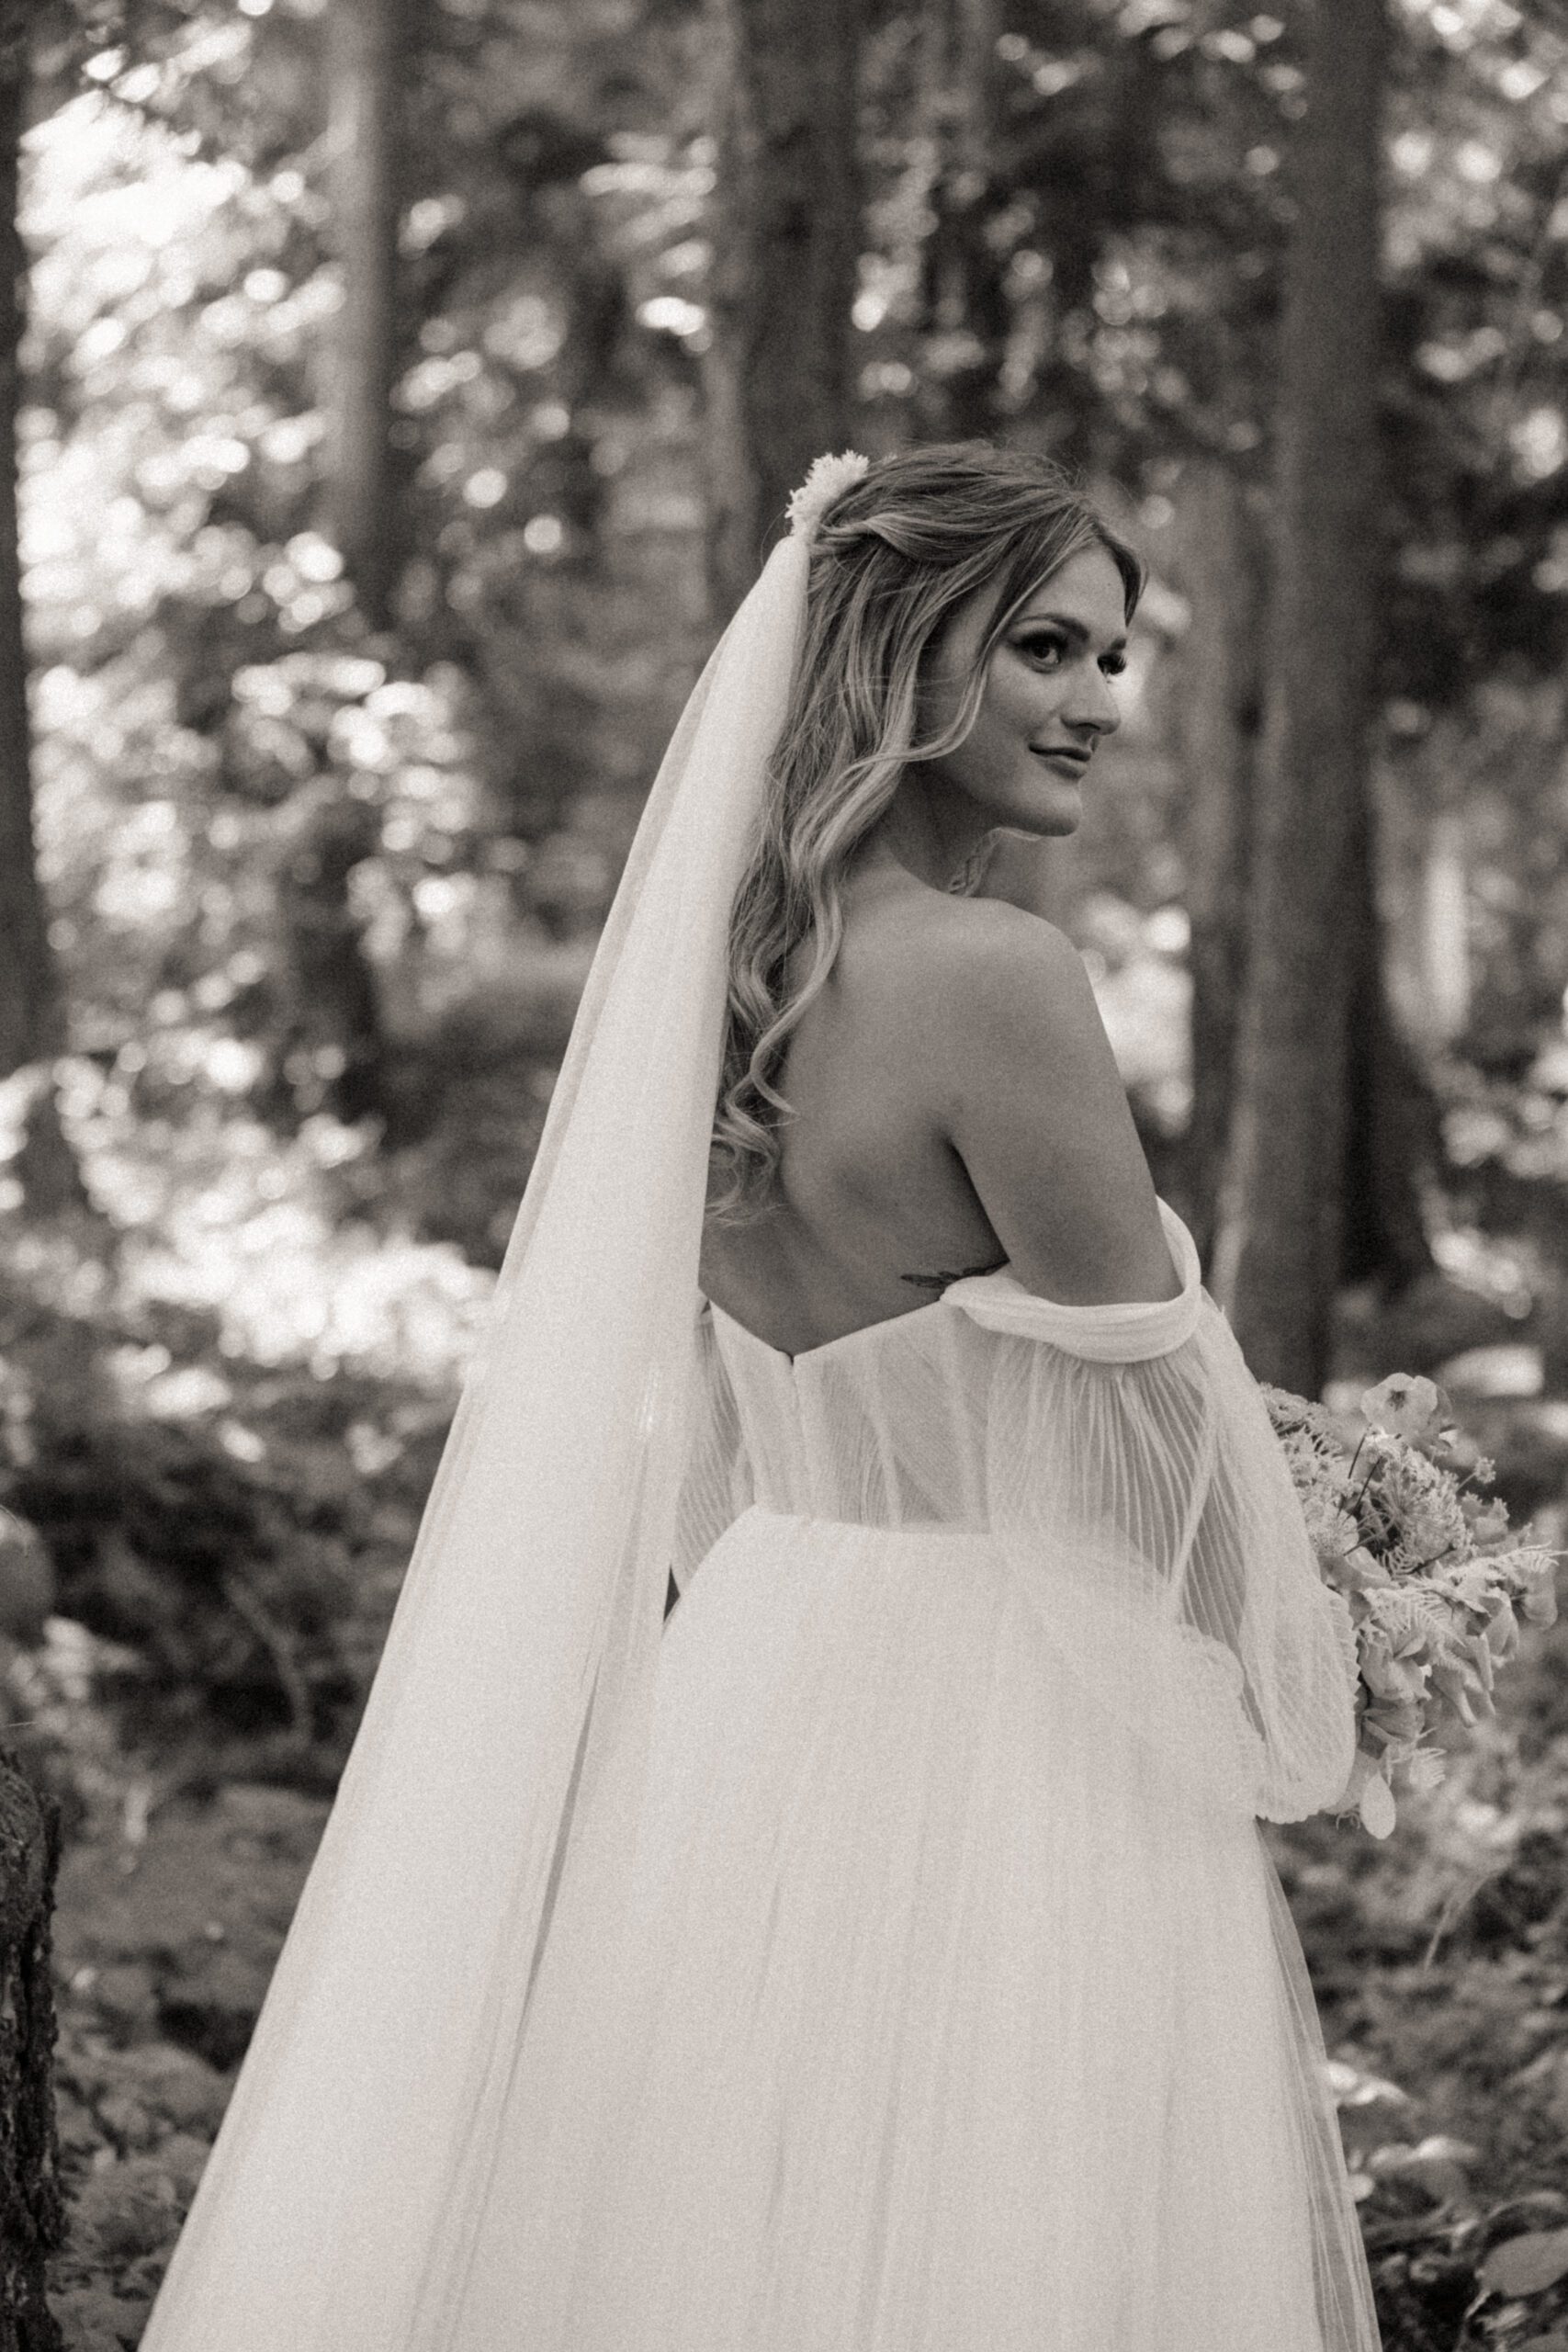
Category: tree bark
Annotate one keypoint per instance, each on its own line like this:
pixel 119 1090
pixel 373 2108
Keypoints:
pixel 1392 1124
pixel 32 1004
pixel 1394 1128
pixel 31 2218
pixel 335 1044
pixel 968 312
pixel 29 1000
pixel 1282 1214
pixel 785 249
pixel 365 50
pixel 1220 568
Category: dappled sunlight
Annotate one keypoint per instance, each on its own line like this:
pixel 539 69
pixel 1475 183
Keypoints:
pixel 325 869
pixel 1137 969
pixel 216 1218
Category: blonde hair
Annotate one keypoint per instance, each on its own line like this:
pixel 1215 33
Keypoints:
pixel 893 557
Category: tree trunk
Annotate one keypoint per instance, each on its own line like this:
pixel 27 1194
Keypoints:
pixel 1393 1129
pixel 365 49
pixel 1392 1124
pixel 335 1046
pixel 1220 570
pixel 968 312
pixel 1282 1221
pixel 31 2220
pixel 785 249
pixel 32 1009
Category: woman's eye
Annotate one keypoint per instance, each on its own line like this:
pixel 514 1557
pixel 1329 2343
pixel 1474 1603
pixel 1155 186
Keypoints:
pixel 1048 649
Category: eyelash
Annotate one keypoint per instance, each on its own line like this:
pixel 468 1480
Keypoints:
pixel 1113 664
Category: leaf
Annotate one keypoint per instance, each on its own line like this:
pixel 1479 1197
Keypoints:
pixel 1441 2165
pixel 1528 2265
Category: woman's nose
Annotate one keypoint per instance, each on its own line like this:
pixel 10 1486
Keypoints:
pixel 1090 701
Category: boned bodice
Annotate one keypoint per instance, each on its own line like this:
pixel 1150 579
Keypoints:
pixel 884 1426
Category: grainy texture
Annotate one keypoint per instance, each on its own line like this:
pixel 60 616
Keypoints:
pixel 30 2211
pixel 786 239
pixel 29 1001
pixel 365 66
pixel 1221 568
pixel 1281 1219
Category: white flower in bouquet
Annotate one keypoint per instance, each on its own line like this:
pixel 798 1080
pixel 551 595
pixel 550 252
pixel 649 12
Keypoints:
pixel 1407 1404
pixel 1401 1529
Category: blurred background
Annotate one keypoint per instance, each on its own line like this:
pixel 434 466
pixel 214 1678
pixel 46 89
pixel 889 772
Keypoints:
pixel 401 393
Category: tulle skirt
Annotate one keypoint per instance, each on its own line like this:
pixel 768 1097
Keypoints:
pixel 945 2023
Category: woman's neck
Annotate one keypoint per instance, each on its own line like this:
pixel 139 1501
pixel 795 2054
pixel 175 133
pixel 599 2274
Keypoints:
pixel 933 835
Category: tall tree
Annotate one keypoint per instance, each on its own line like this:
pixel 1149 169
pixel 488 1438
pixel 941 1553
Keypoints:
pixel 31 2215
pixel 32 1008
pixel 365 48
pixel 1282 1213
pixel 1218 560
pixel 786 245
pixel 967 312
pixel 1392 1124
pixel 30 1003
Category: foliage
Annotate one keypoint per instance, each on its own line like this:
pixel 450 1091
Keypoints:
pixel 224 1452
pixel 1440 1963
pixel 372 861
pixel 324 896
pixel 348 838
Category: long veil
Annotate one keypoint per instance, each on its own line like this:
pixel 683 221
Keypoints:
pixel 463 1904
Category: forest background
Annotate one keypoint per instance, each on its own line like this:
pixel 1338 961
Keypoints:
pixel 401 394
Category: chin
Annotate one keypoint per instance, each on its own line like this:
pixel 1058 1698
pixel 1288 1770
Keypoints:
pixel 1050 824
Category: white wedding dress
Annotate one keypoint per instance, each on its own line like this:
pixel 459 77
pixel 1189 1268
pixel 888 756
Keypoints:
pixel 960 2009
pixel 880 1956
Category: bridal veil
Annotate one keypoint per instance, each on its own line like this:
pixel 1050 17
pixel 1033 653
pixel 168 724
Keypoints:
pixel 465 1897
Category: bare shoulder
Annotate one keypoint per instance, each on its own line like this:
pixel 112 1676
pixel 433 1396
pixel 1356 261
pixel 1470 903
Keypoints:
pixel 1026 1089
pixel 979 966
pixel 996 947
pixel 959 952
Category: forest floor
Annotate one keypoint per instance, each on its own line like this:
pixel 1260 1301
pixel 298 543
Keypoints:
pixel 1440 1961
pixel 167 1928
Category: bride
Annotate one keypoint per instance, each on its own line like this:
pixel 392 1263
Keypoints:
pixel 881 1954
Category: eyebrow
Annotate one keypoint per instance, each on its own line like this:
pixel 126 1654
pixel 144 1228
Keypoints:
pixel 1070 627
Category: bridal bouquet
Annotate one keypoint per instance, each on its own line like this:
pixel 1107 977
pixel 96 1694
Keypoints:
pixel 1401 1526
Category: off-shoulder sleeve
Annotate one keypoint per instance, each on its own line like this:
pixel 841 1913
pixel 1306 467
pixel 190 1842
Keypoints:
pixel 717 1485
pixel 1135 1483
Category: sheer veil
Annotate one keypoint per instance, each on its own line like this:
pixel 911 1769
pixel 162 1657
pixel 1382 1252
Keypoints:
pixel 442 1963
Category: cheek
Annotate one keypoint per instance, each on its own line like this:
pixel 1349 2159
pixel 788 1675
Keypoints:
pixel 1019 697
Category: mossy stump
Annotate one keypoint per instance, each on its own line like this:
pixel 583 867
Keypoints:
pixel 31 2216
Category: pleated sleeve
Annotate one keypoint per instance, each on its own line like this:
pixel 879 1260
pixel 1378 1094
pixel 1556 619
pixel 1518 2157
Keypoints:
pixel 716 1483
pixel 1136 1484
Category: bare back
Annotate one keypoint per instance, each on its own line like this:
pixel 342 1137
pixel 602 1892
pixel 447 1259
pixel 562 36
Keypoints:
pixel 876 1213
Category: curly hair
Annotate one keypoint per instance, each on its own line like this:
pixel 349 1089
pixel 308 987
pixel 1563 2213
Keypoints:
pixel 893 557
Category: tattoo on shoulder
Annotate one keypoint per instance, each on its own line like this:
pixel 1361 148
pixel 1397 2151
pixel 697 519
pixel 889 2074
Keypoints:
pixel 938 1282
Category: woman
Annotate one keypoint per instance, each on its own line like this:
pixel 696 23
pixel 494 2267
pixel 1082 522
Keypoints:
pixel 884 1958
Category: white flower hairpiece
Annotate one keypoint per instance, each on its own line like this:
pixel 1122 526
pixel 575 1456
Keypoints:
pixel 826 479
